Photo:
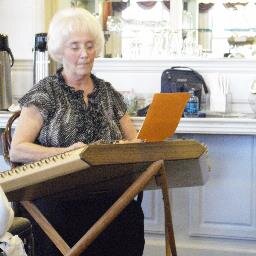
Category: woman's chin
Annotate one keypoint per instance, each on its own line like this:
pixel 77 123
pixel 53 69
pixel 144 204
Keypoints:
pixel 83 72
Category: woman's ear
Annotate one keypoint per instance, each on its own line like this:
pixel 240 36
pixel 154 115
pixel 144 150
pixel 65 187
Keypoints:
pixel 6 213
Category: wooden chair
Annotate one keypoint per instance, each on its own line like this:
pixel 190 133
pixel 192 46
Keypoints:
pixel 21 226
pixel 156 169
pixel 6 137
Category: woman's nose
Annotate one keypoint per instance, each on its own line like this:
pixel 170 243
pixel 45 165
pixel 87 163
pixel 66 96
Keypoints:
pixel 83 52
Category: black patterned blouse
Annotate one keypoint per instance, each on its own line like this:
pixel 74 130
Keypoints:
pixel 66 117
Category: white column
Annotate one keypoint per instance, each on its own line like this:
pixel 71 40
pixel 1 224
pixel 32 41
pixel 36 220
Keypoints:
pixel 176 9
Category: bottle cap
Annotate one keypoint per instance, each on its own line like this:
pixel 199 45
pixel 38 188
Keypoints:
pixel 201 114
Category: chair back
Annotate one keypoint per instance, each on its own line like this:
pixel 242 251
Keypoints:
pixel 6 137
pixel 21 226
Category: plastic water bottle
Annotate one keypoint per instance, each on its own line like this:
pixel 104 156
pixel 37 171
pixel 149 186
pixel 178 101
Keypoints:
pixel 192 107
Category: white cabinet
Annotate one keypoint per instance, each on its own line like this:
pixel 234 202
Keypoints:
pixel 218 218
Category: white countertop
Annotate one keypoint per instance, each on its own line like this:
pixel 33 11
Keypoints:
pixel 215 125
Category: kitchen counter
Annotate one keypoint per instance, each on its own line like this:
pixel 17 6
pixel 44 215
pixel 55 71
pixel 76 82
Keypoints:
pixel 244 125
pixel 241 124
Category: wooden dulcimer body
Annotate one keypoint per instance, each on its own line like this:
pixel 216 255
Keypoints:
pixel 104 168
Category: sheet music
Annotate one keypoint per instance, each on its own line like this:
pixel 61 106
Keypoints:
pixel 163 116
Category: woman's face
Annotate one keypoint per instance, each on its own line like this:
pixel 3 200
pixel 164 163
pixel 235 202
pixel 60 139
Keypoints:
pixel 78 56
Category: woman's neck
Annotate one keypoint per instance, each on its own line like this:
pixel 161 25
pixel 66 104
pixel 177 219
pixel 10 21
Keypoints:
pixel 83 83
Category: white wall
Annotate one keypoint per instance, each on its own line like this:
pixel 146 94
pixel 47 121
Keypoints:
pixel 21 20
pixel 17 20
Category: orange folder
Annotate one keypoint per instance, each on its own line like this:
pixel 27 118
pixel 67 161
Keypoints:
pixel 163 116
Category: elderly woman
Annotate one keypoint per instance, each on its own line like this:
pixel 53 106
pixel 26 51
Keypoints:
pixel 66 111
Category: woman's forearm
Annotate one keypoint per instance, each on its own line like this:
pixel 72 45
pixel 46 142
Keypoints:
pixel 128 128
pixel 30 152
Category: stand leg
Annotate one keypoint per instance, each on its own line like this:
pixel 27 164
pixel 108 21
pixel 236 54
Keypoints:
pixel 46 226
pixel 169 233
pixel 137 186
pixel 115 209
pixel 167 243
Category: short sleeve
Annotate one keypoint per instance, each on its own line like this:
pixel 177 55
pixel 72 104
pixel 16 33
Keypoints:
pixel 39 96
pixel 119 105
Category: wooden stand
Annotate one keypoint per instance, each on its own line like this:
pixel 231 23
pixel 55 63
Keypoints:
pixel 126 169
pixel 156 168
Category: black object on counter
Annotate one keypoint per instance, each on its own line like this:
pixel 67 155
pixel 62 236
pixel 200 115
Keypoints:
pixel 4 46
pixel 182 79
pixel 143 111
pixel 41 42
pixel 202 114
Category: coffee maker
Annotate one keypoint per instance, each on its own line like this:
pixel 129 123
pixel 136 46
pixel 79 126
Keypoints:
pixel 6 62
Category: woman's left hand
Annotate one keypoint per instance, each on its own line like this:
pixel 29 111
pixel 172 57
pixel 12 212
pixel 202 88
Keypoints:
pixel 130 141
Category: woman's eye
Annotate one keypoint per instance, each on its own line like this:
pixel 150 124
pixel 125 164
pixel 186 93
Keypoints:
pixel 75 48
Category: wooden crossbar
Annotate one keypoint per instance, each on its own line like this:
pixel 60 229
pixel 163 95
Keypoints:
pixel 155 169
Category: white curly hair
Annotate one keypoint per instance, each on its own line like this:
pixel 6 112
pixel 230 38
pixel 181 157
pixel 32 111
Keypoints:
pixel 69 21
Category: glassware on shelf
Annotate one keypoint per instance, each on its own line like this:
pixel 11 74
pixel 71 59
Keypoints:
pixel 175 43
pixel 114 24
pixel 188 33
pixel 136 101
pixel 114 28
pixel 252 102
pixel 135 48
pixel 252 97
pixel 160 39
